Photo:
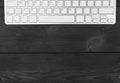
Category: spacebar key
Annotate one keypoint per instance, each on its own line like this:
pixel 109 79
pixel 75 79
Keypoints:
pixel 56 19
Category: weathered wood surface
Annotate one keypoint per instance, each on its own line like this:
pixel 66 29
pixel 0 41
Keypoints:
pixel 60 68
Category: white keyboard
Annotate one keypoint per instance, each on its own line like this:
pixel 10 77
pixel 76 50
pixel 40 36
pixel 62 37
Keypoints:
pixel 60 12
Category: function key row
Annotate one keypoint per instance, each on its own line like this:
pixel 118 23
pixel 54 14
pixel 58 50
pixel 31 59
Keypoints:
pixel 68 3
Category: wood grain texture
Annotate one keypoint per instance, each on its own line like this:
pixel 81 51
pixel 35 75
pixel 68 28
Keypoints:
pixel 60 68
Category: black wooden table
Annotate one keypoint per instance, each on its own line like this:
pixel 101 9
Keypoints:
pixel 59 53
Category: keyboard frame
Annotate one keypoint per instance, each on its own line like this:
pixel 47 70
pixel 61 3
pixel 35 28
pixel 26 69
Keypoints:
pixel 62 23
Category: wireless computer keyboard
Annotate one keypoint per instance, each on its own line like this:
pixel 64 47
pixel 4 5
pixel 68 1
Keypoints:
pixel 60 12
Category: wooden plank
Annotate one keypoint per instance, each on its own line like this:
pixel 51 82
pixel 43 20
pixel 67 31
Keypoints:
pixel 59 38
pixel 60 68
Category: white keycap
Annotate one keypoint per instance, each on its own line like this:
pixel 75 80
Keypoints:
pixel 22 3
pixel 26 11
pixel 18 11
pixel 110 16
pixel 80 19
pixel 88 19
pixel 105 3
pixel 75 3
pixel 103 20
pixel 95 20
pixel 57 11
pixel 113 3
pixel 9 19
pixel 37 3
pixel 94 10
pixel 44 3
pixel 111 20
pixel 12 3
pixel 82 3
pixel 10 11
pixel 24 19
pixel 56 19
pixel 34 11
pixel 49 11
pixel 41 11
pixel 53 3
pixel 98 3
pixel 86 10
pixel 106 10
pixel 79 10
pixel 16 19
pixel 96 16
pixel 67 3
pixel 64 11
pixel 29 3
pixel 103 16
pixel 60 3
pixel 32 19
pixel 90 3
pixel 71 10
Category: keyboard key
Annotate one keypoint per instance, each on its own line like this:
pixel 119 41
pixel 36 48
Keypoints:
pixel 64 11
pixel 9 19
pixel 57 11
pixel 56 19
pixel 90 3
pixel 18 11
pixel 111 20
pixel 67 3
pixel 44 3
pixel 82 3
pixel 53 3
pixel 10 11
pixel 22 3
pixel 88 19
pixel 37 3
pixel 105 3
pixel 98 3
pixel 95 20
pixel 49 11
pixel 34 11
pixel 60 3
pixel 86 10
pixel 75 3
pixel 24 19
pixel 41 11
pixel 16 19
pixel 113 3
pixel 79 10
pixel 12 3
pixel 71 10
pixel 26 11
pixel 33 19
pixel 94 10
pixel 29 3
pixel 96 16
pixel 106 10
pixel 80 19
pixel 103 16
pixel 104 20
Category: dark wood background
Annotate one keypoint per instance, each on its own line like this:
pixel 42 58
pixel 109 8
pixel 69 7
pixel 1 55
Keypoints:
pixel 59 53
